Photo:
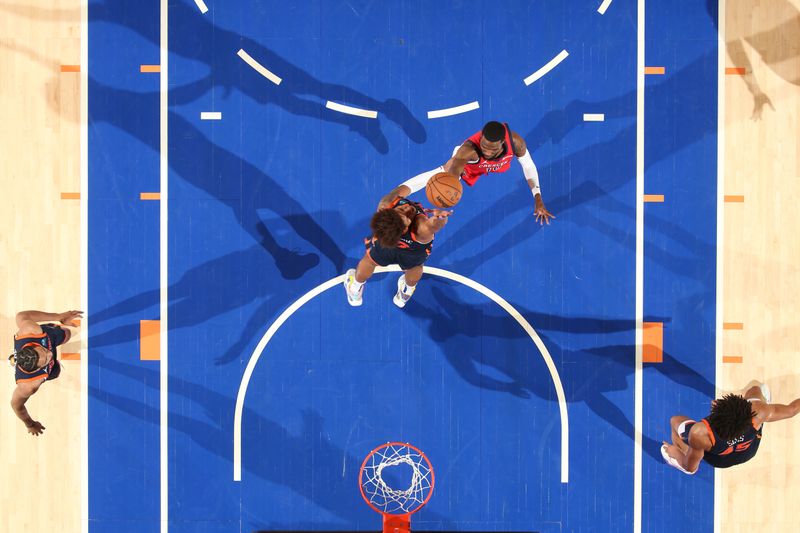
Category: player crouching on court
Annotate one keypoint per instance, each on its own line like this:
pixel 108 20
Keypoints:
pixel 34 357
pixel 402 234
pixel 727 437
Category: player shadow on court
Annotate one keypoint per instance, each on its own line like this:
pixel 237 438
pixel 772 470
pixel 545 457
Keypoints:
pixel 693 265
pixel 581 169
pixel 335 493
pixel 193 36
pixel 229 178
pixel 595 371
pixel 777 45
pixel 202 293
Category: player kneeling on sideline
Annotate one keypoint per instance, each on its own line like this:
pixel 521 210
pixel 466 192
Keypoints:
pixel 402 234
pixel 729 436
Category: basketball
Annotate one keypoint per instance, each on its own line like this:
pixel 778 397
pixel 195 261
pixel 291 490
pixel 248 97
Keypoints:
pixel 443 190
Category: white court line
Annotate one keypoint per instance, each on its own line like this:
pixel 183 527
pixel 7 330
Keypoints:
pixel 261 69
pixel 450 111
pixel 594 117
pixel 84 170
pixel 638 409
pixel 721 35
pixel 337 281
pixel 163 273
pixel 202 6
pixel 603 7
pixel 553 63
pixel 211 115
pixel 366 113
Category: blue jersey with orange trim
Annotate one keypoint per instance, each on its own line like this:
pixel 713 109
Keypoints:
pixel 49 339
pixel 731 452
pixel 408 240
pixel 737 445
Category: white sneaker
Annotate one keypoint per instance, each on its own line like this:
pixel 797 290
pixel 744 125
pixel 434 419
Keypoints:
pixel 404 292
pixel 353 295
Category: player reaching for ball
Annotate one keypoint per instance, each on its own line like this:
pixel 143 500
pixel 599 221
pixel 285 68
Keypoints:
pixel 489 150
pixel 402 234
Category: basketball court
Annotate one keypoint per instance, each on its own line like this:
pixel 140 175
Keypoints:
pixel 199 175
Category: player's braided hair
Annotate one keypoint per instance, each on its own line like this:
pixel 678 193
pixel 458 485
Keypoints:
pixel 387 226
pixel 730 416
pixel 27 359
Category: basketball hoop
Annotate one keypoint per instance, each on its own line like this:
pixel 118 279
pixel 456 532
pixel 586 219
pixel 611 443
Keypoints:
pixel 396 503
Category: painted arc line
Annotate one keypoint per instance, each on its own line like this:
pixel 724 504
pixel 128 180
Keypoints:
pixel 553 63
pixel 450 111
pixel 202 6
pixel 594 117
pixel 313 293
pixel 258 67
pixel 348 110
pixel 603 7
pixel 211 115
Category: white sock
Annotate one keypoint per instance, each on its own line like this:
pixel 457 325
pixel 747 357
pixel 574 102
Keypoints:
pixel 357 284
pixel 409 289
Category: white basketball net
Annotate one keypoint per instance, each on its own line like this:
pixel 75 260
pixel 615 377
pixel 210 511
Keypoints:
pixel 394 500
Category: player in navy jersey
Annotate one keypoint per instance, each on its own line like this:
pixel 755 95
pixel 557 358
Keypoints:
pixel 35 357
pixel 730 435
pixel 487 151
pixel 402 234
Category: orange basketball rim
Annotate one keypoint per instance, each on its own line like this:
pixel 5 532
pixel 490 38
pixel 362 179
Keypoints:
pixel 396 504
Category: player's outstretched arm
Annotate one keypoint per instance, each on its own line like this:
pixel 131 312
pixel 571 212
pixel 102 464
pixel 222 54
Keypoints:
pixel 531 174
pixel 400 190
pixel 410 186
pixel 428 227
pixel 777 411
pixel 465 153
pixel 30 319
pixel 22 392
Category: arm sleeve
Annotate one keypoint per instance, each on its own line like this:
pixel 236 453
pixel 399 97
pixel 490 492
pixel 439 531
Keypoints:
pixel 529 169
pixel 421 180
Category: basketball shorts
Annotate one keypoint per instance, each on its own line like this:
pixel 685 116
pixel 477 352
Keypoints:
pixel 405 259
